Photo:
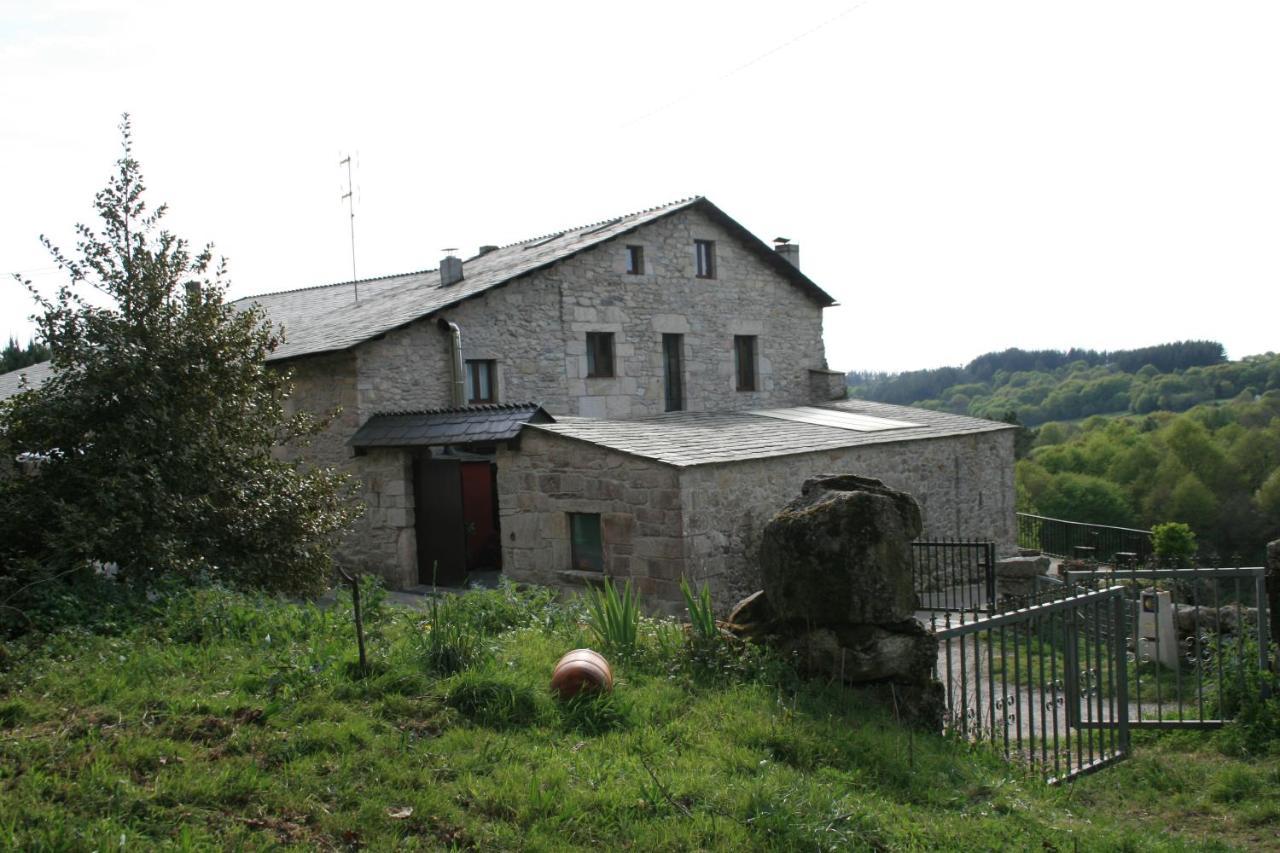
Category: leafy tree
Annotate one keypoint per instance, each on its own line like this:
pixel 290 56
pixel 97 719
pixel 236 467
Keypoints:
pixel 1268 495
pixel 1081 497
pixel 155 435
pixel 1173 542
pixel 14 357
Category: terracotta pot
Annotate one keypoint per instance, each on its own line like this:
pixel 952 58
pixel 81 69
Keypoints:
pixel 581 670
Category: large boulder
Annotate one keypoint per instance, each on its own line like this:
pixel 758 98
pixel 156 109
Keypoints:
pixel 904 653
pixel 840 554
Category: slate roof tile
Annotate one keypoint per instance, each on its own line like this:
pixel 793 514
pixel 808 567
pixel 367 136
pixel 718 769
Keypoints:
pixel 686 439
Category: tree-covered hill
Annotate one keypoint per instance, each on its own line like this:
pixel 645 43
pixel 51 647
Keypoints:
pixel 1192 437
pixel 1049 385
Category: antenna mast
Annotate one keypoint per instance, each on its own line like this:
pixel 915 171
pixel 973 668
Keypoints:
pixel 349 198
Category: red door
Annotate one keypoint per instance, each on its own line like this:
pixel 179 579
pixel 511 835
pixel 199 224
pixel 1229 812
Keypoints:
pixel 480 516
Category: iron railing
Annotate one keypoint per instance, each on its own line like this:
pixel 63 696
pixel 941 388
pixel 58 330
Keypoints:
pixel 1198 640
pixel 954 575
pixel 1046 685
pixel 1075 540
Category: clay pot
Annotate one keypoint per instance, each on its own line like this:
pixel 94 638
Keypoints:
pixel 581 670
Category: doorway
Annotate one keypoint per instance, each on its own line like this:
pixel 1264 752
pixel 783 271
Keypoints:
pixel 456 518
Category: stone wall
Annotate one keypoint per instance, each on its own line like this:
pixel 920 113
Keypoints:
pixel 549 477
pixel 964 485
pixel 381 540
pixel 535 329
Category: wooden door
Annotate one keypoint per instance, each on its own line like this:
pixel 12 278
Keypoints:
pixel 437 498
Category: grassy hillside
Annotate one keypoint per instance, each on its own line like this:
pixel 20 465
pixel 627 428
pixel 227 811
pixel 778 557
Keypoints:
pixel 205 719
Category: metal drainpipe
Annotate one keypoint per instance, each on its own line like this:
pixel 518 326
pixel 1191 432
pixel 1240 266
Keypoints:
pixel 459 383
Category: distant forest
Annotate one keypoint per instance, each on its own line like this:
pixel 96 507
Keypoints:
pixel 14 356
pixel 1130 438
pixel 1051 385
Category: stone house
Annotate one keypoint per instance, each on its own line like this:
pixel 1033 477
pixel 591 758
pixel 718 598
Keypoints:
pixel 627 396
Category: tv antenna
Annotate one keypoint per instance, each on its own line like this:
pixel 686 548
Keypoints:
pixel 349 198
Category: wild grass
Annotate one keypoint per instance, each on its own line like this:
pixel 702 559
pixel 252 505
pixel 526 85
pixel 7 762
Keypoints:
pixel 220 720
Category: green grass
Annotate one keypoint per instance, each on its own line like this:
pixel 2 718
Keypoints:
pixel 231 722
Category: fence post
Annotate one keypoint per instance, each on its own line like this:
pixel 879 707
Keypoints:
pixel 1071 663
pixel 1120 629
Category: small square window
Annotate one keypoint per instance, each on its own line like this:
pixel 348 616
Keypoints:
pixel 481 387
pixel 599 354
pixel 587 547
pixel 705 250
pixel 635 260
pixel 744 358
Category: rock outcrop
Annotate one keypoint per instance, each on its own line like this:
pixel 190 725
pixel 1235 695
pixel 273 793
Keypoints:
pixel 838 593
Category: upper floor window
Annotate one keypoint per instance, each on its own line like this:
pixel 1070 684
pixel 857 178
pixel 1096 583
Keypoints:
pixel 599 354
pixel 705 250
pixel 481 387
pixel 744 359
pixel 635 260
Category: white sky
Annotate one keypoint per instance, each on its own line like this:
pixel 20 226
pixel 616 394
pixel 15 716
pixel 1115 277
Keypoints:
pixel 961 176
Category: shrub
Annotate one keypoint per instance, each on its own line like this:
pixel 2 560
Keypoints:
pixel 702 616
pixel 1174 543
pixel 614 617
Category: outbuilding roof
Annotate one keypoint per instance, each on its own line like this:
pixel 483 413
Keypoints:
pixel 326 318
pixel 686 439
pixel 482 424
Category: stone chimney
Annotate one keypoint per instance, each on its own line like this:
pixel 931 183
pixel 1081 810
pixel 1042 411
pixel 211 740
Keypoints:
pixel 484 250
pixel 788 250
pixel 450 269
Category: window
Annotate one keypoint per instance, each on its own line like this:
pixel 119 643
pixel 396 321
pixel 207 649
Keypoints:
pixel 673 371
pixel 587 548
pixel 744 359
pixel 706 254
pixel 635 260
pixel 599 354
pixel 481 387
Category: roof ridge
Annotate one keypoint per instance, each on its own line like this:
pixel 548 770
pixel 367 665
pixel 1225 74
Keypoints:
pixel 346 283
pixel 564 231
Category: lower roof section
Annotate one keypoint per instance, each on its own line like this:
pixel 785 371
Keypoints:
pixel 686 439
pixel 482 424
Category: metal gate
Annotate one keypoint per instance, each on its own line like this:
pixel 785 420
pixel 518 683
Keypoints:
pixel 954 575
pixel 1047 684
pixel 1196 639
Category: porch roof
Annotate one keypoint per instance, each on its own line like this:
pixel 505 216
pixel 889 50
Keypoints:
pixel 481 424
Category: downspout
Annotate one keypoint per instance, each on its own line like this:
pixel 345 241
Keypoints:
pixel 455 352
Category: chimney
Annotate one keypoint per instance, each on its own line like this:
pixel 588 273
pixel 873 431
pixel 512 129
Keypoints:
pixel 791 251
pixel 450 269
pixel 484 250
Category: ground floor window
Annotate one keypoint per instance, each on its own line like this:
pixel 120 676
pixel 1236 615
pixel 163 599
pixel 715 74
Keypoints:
pixel 587 546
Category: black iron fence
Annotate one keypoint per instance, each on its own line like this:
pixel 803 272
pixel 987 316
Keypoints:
pixel 1197 640
pixel 954 575
pixel 1075 540
pixel 1046 685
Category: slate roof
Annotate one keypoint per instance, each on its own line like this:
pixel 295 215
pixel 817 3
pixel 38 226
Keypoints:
pixel 686 439
pixel 481 424
pixel 37 374
pixel 325 319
